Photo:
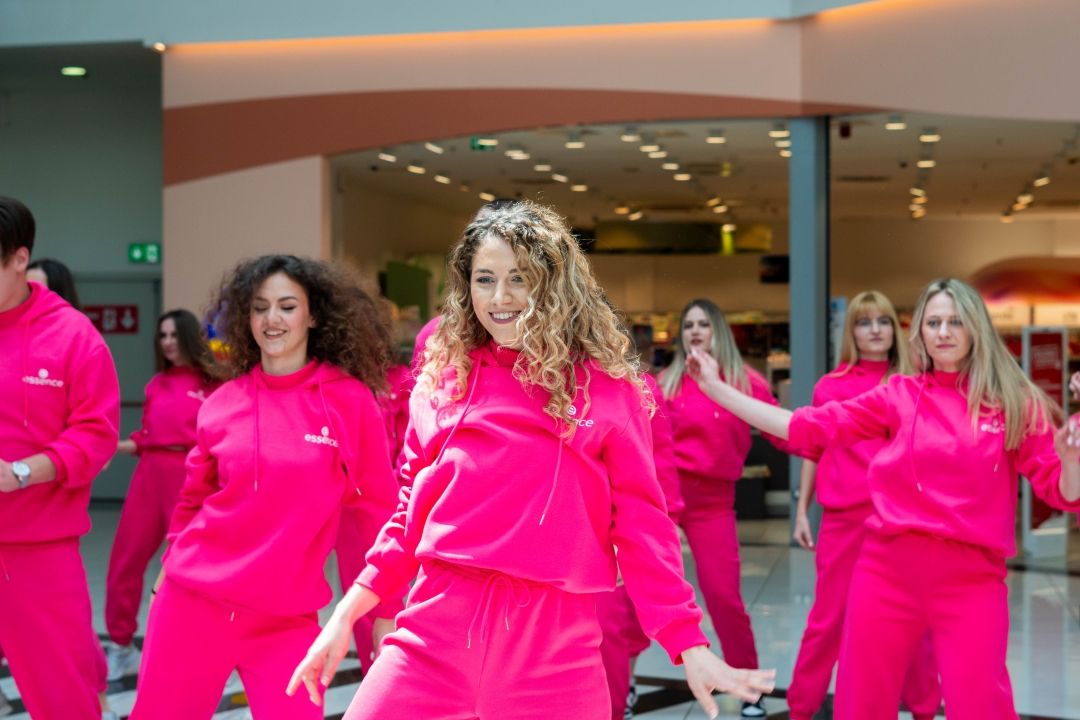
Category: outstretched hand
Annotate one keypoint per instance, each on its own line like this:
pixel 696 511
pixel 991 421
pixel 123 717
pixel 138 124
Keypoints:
pixel 706 673
pixel 317 668
pixel 702 366
pixel 1067 439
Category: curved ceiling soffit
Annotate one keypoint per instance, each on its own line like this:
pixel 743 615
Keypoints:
pixel 206 140
pixel 1030 280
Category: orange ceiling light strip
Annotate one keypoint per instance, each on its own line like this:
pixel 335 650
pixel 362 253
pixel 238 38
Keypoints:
pixel 630 30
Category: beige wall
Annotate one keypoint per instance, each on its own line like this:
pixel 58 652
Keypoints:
pixel 211 224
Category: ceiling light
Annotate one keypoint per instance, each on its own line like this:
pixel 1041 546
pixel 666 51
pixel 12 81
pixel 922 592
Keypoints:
pixel 649 147
pixel 913 207
pixel 442 179
pixel 715 137
pixel 926 164
pixel 1018 207
pixel 575 144
pixel 658 154
pixel 579 188
pixel 930 136
pixel 729 227
pixel 918 192
pixel 73 71
pixel 919 214
pixel 681 177
pixel 779 131
pixel 1006 217
pixel 895 123
pixel 713 202
pixel 542 167
pixel 635 216
pixel 782 143
pixel 486 196
pixel 1042 181
pixel 519 155
pixel 559 178
pixel 417 169
pixel 437 149
pixel 726 169
pixel 920 200
pixel 387 157
pixel 630 135
pixel 487 141
pixel 1026 198
pixel 720 209
pixel 159 47
pixel 622 210
pixel 670 166
pixel 785 153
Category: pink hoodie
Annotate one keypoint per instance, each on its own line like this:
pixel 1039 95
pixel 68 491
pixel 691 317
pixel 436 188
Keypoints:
pixel 840 481
pixel 173 399
pixel 664 452
pixel 489 484
pixel 61 397
pixel 936 474
pixel 277 458
pixel 710 442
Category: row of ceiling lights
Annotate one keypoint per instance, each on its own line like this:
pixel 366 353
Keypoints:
pixel 1026 197
pixel 928 140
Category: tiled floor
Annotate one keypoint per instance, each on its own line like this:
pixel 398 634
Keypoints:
pixel 1044 649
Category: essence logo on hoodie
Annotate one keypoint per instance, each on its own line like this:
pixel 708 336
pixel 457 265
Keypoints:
pixel 580 422
pixel 43 379
pixel 995 426
pixel 323 439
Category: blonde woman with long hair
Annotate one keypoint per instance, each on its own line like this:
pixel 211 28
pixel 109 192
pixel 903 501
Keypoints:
pixel 872 349
pixel 528 461
pixel 711 446
pixel 959 433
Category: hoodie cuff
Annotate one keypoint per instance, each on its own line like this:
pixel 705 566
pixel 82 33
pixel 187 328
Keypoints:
pixel 679 636
pixel 800 437
pixel 61 469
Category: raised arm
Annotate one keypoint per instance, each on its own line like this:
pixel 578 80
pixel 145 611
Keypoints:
pixel 767 418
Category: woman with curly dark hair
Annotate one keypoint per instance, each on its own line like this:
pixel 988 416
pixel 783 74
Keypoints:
pixel 292 445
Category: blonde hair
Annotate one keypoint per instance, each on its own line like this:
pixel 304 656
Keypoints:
pixel 995 380
pixel 567 322
pixel 723 348
pixel 861 306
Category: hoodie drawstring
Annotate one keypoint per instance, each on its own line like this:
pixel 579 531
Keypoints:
pixel 554 480
pixel 457 423
pixel 337 436
pixel 3 566
pixel 257 433
pixel 911 437
pixel 26 372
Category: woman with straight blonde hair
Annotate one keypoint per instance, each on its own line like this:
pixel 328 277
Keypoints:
pixel 872 349
pixel 944 487
pixel 711 446
pixel 528 461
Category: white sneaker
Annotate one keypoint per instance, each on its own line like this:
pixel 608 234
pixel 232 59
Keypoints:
pixel 752 710
pixel 631 701
pixel 5 704
pixel 123 660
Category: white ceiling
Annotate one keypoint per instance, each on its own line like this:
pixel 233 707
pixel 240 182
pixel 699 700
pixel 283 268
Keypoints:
pixel 982 165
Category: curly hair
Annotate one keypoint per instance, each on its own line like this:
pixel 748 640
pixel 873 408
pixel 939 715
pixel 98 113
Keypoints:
pixel 568 320
pixel 350 330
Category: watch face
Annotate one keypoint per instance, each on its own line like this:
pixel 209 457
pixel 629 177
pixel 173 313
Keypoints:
pixel 20 469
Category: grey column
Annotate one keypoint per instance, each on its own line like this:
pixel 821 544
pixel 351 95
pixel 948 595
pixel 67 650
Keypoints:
pixel 808 232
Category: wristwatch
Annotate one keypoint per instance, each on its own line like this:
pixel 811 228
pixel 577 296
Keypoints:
pixel 21 471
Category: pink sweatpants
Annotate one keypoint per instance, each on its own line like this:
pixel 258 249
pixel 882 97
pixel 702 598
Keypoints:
pixel 194 642
pixel 623 640
pixel 477 645
pixel 839 541
pixel 709 524
pixel 905 585
pixel 144 519
pixel 44 606
pixel 350 550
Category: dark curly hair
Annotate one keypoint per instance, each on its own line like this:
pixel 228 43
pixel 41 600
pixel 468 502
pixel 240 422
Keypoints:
pixel 191 341
pixel 350 330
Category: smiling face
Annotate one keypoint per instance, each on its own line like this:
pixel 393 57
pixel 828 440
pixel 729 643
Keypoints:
pixel 280 321
pixel 873 333
pixel 948 342
pixel 697 331
pixel 498 290
pixel 170 343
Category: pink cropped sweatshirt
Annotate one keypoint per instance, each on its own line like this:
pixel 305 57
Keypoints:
pixel 491 484
pixel 278 461
pixel 938 473
pixel 61 397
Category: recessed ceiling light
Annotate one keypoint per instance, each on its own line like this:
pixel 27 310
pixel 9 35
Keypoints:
pixel 918 192
pixel 579 188
pixel 73 71
pixel 658 154
pixel 782 143
pixel 630 135
pixel 1042 181
pixel 713 202
pixel 622 210
pixel 432 147
pixel 542 167
pixel 649 147
pixel 930 137
pixel 720 209
pixel 1006 217
pixel 417 169
pixel 895 123
pixel 487 141
pixel 159 47
pixel 670 166
pixel 387 157
pixel 729 227
pixel 486 196
pixel 926 164
pixel 575 144
pixel 559 178
pixel 785 153
pixel 442 179
pixel 681 177
pixel 779 131
pixel 1025 198
pixel 635 216
pixel 715 137
pixel 920 213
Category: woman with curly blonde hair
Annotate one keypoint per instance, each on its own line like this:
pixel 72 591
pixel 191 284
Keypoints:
pixel 289 448
pixel 529 461
pixel 958 434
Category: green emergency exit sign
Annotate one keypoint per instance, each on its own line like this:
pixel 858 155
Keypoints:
pixel 146 253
